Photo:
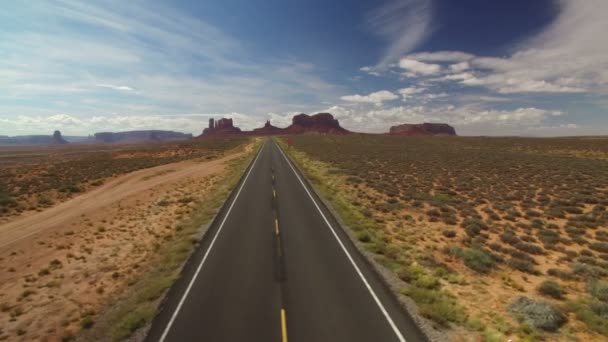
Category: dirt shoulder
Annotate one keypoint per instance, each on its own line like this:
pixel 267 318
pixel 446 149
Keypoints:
pixel 61 267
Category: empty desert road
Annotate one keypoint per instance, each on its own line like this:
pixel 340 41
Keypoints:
pixel 275 266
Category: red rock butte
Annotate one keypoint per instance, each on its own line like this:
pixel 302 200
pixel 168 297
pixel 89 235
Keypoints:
pixel 323 123
pixel 423 129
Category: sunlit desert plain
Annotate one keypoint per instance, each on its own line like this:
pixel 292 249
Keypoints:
pixel 92 235
pixel 493 237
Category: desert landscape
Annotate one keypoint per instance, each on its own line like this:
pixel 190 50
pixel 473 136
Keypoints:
pixel 493 238
pixel 92 235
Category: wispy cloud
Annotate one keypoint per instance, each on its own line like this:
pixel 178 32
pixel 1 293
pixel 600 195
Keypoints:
pixel 115 87
pixel 404 24
pixel 157 60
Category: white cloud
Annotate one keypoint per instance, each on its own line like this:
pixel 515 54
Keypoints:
pixel 459 67
pixel 420 68
pixel 405 92
pixel 376 98
pixel 570 56
pixel 404 24
pixel 115 87
pixel 147 54
pixel 467 119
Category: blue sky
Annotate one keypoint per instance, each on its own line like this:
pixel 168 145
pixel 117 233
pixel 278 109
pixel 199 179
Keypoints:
pixel 512 67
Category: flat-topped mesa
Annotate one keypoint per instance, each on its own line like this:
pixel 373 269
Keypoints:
pixel 268 129
pixel 423 129
pixel 222 126
pixel 321 123
pixel 140 136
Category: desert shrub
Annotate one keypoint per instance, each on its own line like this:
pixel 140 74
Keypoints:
pixel 593 315
pixel 519 255
pixel 599 246
pixel 530 248
pixel 495 247
pixel 555 272
pixel 523 266
pixel 364 236
pixel 598 290
pixel 45 200
pixel 586 252
pixel 449 233
pixel 436 305
pixel 548 236
pixel 72 188
pixel 509 238
pixel 599 308
pixel 528 238
pixel 551 289
pixel 601 235
pixel 477 260
pixel 537 314
pixel 588 271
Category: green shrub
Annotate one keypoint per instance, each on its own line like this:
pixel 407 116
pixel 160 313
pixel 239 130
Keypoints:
pixel 529 248
pixel 437 306
pixel 601 247
pixel 478 260
pixel 551 289
pixel 523 266
pixel 599 290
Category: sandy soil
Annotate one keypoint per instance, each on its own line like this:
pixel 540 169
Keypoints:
pixel 59 266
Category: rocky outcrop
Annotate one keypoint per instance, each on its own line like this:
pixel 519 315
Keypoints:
pixel 268 129
pixel 221 127
pixel 58 139
pixel 320 123
pixel 423 129
pixel 140 136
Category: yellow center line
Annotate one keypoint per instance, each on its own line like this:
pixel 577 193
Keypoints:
pixel 283 325
pixel 276 226
pixel 274 193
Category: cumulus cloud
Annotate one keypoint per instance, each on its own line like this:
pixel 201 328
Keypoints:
pixel 409 91
pixel 419 68
pixel 376 98
pixel 467 119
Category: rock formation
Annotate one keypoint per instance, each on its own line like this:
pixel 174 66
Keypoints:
pixel 140 136
pixel 423 129
pixel 268 129
pixel 321 123
pixel 58 139
pixel 221 127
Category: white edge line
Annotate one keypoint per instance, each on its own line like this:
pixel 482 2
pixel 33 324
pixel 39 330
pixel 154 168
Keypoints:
pixel 350 258
pixel 200 266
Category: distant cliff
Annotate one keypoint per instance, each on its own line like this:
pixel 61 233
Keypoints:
pixel 140 136
pixel 423 129
pixel 56 138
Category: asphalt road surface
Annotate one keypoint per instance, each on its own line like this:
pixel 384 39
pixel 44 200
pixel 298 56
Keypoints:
pixel 275 266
